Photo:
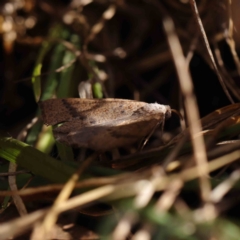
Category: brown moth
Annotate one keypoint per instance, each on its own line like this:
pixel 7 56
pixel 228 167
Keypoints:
pixel 102 124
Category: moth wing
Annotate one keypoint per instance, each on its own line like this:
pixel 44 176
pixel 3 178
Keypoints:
pixel 104 137
pixel 87 111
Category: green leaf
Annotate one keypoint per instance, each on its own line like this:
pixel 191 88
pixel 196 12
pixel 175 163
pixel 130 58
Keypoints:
pixel 32 159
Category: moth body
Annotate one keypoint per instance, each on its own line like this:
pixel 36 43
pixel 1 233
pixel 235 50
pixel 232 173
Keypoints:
pixel 102 124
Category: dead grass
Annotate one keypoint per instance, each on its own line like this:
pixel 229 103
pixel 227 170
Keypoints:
pixel 184 183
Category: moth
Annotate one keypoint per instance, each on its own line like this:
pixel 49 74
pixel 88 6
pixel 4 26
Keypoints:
pixel 102 124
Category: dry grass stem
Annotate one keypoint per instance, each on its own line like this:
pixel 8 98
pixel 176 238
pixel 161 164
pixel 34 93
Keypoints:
pixel 209 51
pixel 43 230
pixel 218 192
pixel 20 225
pixel 132 63
pixel 191 107
pixel 13 186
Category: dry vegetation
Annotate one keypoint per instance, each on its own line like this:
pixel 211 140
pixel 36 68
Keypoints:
pixel 184 183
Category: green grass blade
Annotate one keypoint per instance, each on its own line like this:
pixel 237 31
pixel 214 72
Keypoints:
pixel 32 159
pixel 65 152
pixel 46 46
pixel 97 90
pixel 36 81
pixel 67 86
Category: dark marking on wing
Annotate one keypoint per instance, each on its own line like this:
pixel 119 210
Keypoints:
pixel 73 110
pixel 92 121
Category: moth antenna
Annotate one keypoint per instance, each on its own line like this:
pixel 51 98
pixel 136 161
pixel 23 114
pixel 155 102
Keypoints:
pixel 178 113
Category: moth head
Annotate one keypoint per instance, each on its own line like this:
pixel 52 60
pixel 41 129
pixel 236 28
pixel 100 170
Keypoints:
pixel 168 112
pixel 155 108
